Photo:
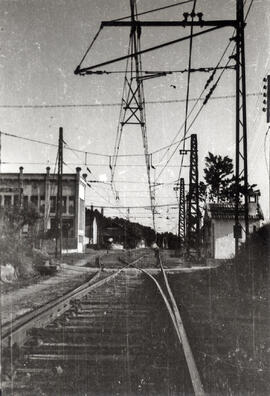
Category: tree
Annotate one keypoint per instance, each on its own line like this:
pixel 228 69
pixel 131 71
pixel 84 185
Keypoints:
pixel 219 178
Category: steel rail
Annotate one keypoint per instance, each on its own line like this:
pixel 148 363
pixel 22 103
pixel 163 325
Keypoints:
pixel 194 373
pixel 15 333
pixel 179 328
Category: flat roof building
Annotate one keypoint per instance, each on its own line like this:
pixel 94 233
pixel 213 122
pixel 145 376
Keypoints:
pixel 40 190
pixel 219 220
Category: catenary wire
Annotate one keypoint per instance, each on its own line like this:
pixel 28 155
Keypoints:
pixel 155 9
pixel 222 56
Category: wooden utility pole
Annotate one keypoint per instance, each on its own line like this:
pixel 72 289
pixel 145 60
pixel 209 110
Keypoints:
pixel 59 201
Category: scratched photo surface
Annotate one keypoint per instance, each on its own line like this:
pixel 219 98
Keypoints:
pixel 135 197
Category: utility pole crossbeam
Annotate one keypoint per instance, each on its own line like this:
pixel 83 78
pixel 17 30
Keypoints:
pixel 59 199
pixel 184 23
pixel 193 211
pixel 241 160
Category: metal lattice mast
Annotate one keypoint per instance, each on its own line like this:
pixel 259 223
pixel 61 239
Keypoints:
pixel 182 213
pixel 193 211
pixel 58 216
pixel 241 165
pixel 133 102
pixel 207 26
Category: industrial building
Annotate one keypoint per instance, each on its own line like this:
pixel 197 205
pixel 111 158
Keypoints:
pixel 40 190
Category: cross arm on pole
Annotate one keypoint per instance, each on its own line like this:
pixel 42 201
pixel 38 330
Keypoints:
pixel 83 71
pixel 183 23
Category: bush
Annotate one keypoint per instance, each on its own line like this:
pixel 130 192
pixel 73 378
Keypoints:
pixel 14 248
pixel 253 260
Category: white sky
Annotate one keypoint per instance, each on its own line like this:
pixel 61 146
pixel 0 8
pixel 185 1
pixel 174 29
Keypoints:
pixel 42 43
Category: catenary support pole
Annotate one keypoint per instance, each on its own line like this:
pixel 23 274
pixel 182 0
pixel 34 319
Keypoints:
pixel 193 211
pixel 241 156
pixel 59 201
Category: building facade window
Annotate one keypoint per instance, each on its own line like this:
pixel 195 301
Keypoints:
pixel 81 215
pixel 42 204
pixel 64 204
pixel 53 204
pixel 25 201
pixel 34 200
pixel 7 200
pixel 68 228
pixel 71 205
pixel 16 200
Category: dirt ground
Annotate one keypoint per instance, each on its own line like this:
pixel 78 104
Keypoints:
pixel 25 295
pixel 228 329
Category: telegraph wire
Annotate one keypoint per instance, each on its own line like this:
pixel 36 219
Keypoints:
pixel 101 196
pixel 28 139
pixel 75 153
pixel 136 207
pixel 151 102
pixel 67 147
pixel 80 164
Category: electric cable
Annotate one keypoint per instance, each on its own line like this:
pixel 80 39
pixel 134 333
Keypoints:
pixel 222 56
pixel 154 10
pixel 188 84
pixel 150 102
pixel 90 46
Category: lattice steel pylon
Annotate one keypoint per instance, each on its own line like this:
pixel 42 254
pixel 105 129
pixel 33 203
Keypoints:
pixel 193 211
pixel 133 103
pixel 182 213
pixel 207 26
pixel 241 157
pixel 59 198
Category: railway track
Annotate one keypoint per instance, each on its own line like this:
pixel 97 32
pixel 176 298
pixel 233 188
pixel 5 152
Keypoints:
pixel 119 334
